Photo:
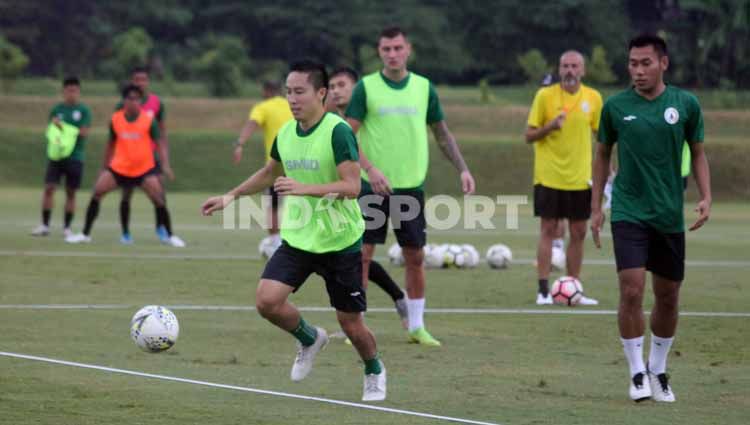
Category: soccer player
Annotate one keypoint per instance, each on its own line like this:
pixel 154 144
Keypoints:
pixel 321 228
pixel 649 122
pixel 268 115
pixel 560 125
pixel 391 110
pixel 153 106
pixel 129 162
pixel 340 88
pixel 73 112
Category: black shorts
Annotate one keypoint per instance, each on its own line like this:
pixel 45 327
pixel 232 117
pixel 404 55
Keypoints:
pixel 407 218
pixel 639 246
pixel 342 273
pixel 556 203
pixel 274 197
pixel 72 169
pixel 130 182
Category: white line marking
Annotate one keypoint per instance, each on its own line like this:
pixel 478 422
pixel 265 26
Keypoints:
pixel 312 309
pixel 157 256
pixel 244 389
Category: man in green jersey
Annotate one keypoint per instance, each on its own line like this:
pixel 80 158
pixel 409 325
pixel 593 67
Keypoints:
pixel 321 228
pixel 391 109
pixel 70 111
pixel 340 88
pixel 649 123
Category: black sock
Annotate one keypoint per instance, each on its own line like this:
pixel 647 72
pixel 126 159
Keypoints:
pixel 68 219
pixel 544 287
pixel 45 217
pixel 381 278
pixel 91 212
pixel 158 218
pixel 163 218
pixel 125 216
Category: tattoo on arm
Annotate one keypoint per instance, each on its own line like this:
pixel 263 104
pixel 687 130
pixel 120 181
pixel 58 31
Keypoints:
pixel 447 143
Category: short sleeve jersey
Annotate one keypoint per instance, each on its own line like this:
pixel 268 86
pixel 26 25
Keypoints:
pixel 650 135
pixel 562 159
pixel 270 115
pixel 78 115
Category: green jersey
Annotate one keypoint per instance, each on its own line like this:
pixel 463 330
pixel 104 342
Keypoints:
pixel 650 136
pixel 78 115
pixel 393 132
pixel 310 223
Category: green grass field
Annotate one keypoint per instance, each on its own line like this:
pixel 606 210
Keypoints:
pixel 510 368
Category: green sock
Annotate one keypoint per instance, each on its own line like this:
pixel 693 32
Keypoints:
pixel 373 366
pixel 305 333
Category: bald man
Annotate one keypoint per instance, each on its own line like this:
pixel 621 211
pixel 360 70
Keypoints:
pixel 561 123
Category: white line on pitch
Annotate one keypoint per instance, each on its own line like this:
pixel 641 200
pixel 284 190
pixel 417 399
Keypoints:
pixel 244 389
pixel 520 311
pixel 158 256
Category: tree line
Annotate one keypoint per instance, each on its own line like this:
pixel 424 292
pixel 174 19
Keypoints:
pixel 496 42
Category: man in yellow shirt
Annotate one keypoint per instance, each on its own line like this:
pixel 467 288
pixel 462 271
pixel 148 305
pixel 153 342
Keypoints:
pixel 270 114
pixel 560 125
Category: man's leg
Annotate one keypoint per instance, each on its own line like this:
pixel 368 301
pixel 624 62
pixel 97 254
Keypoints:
pixel 74 175
pixel 574 254
pixel 153 188
pixel 559 241
pixel 127 195
pixel 631 322
pixel 378 274
pixel 70 208
pixel 547 232
pixel 368 251
pixel 105 183
pixel 48 202
pixel 363 340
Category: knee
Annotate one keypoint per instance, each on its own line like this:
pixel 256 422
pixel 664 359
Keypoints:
pixel 549 229
pixel 352 326
pixel 413 257
pixel 667 301
pixel 578 233
pixel 49 190
pixel 266 306
pixel 631 295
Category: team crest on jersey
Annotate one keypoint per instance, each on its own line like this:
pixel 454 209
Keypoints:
pixel 671 116
pixel 150 113
pixel 76 115
pixel 585 107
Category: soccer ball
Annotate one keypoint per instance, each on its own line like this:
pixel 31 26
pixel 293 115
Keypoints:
pixel 396 255
pixel 434 256
pixel 453 256
pixel 471 255
pixel 567 291
pixel 268 246
pixel 499 256
pixel 558 259
pixel 154 328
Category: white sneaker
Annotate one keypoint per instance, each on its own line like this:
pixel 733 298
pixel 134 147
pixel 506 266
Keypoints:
pixel 303 363
pixel 78 238
pixel 660 385
pixel 40 230
pixel 587 301
pixel 67 232
pixel 640 388
pixel 542 300
pixel 374 388
pixel 175 241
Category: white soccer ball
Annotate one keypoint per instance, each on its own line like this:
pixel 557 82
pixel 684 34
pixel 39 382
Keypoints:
pixel 558 259
pixel 499 256
pixel 268 246
pixel 154 328
pixel 567 290
pixel 453 256
pixel 396 255
pixel 471 254
pixel 434 256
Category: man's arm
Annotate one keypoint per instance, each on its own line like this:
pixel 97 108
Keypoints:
pixel 347 187
pixel 262 179
pixel 247 130
pixel 447 143
pixel 600 172
pixel 534 134
pixel 378 181
pixel 703 180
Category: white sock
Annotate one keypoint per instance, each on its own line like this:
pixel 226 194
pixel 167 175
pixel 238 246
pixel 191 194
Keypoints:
pixel 634 353
pixel 558 243
pixel 276 238
pixel 416 313
pixel 657 357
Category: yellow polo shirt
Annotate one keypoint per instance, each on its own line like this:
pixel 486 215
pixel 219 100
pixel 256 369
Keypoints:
pixel 271 114
pixel 562 159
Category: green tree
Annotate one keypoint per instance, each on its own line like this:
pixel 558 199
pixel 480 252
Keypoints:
pixel 222 63
pixel 534 65
pixel 12 63
pixel 129 49
pixel 598 69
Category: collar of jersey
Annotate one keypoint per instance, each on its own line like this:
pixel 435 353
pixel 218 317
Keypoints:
pixel 303 133
pixel 394 84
